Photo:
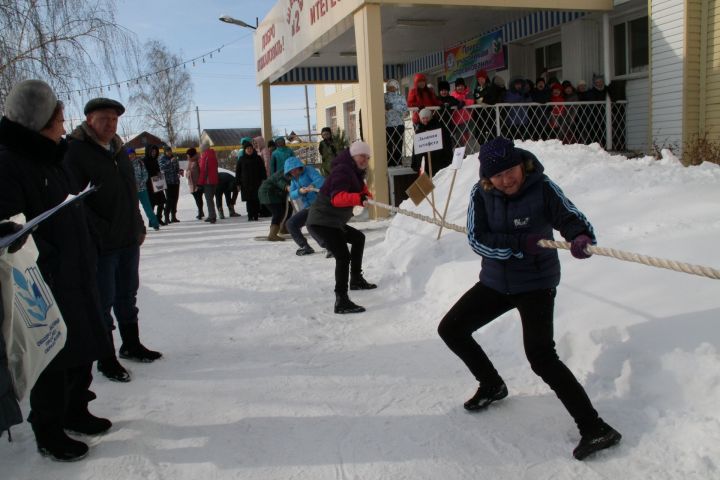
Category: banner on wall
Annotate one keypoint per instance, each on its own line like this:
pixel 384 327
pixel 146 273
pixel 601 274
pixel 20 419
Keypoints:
pixel 486 52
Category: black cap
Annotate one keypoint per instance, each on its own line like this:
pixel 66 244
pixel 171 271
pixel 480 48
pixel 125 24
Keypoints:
pixel 101 103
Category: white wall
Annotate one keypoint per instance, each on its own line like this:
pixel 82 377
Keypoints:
pixel 666 71
pixel 637 114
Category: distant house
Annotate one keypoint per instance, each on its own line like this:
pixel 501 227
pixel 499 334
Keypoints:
pixel 142 140
pixel 228 137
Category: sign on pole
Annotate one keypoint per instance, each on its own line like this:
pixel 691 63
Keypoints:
pixel 428 141
pixel 458 156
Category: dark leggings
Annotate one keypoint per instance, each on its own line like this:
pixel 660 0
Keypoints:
pixel 479 306
pixel 346 261
pixel 278 212
pixel 172 193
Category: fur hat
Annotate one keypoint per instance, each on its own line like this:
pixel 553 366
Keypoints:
pixel 498 155
pixel 443 85
pixel 425 113
pixel 31 103
pixel 360 148
pixel 459 81
pixel 326 129
pixel 102 103
pixel 393 83
pixel 191 152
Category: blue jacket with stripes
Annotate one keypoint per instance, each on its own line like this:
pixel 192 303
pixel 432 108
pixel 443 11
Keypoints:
pixel 498 226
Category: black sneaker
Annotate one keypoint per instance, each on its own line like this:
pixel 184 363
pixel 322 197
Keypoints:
pixel 112 369
pixel 357 282
pixel 58 446
pixel 87 424
pixel 306 250
pixel 138 353
pixel 604 437
pixel 485 395
pixel 343 304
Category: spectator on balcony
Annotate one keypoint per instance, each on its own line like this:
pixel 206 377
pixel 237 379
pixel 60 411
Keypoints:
pixel 496 92
pixel 556 121
pixel 541 93
pixel 581 90
pixel 440 158
pixel 395 110
pixel 516 118
pixel 421 96
pixel 598 93
pixel 540 115
pixel 461 117
pixel 448 104
pixel 484 117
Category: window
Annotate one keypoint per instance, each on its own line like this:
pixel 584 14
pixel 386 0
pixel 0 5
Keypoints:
pixel 331 118
pixel 548 61
pixel 350 120
pixel 631 46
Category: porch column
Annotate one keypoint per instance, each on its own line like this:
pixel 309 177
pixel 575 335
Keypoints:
pixel 368 43
pixel 266 111
pixel 606 68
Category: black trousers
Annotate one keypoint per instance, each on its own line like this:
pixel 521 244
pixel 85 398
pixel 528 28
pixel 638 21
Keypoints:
pixel 198 196
pixel 58 395
pixel 253 209
pixel 346 261
pixel 479 306
pixel 172 193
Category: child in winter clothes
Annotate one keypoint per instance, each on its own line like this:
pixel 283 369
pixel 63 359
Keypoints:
pixel 461 117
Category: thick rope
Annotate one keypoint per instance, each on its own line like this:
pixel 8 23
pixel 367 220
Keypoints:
pixel 700 270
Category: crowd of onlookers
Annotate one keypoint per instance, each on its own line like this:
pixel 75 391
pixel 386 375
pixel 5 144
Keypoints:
pixel 526 110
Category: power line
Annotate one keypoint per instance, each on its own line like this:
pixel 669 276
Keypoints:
pixel 144 77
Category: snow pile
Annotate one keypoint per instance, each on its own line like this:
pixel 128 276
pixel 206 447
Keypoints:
pixel 261 380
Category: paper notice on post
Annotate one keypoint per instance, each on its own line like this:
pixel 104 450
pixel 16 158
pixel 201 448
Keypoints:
pixel 428 141
pixel 29 226
pixel 458 156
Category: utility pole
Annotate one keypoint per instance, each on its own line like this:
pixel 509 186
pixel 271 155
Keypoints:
pixel 197 112
pixel 307 114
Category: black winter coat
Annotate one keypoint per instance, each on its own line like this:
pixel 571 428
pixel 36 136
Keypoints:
pixel 114 209
pixel 249 174
pixel 153 168
pixel 33 181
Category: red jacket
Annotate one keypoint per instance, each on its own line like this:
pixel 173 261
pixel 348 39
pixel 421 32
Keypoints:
pixel 208 168
pixel 421 97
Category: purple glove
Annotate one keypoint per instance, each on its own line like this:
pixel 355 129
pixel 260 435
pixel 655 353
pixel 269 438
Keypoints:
pixel 578 246
pixel 531 246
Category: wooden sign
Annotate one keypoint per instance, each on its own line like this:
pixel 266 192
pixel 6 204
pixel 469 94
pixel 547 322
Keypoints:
pixel 420 189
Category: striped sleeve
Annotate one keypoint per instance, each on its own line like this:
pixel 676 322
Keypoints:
pixel 566 217
pixel 482 241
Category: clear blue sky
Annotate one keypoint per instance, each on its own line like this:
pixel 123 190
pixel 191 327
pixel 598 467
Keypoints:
pixel 227 81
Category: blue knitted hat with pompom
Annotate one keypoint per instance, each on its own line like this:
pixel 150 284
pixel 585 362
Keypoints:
pixel 498 155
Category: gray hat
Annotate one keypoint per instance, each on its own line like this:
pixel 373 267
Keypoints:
pixel 101 103
pixel 31 103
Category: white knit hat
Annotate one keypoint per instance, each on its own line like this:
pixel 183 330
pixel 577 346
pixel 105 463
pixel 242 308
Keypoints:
pixel 31 103
pixel 360 148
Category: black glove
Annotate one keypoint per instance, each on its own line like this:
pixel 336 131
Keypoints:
pixel 8 228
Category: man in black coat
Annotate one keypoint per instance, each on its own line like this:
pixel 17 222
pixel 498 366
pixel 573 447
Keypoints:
pixel 33 181
pixel 95 155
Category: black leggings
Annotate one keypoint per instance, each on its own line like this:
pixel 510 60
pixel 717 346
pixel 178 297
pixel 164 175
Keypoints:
pixel 346 261
pixel 479 306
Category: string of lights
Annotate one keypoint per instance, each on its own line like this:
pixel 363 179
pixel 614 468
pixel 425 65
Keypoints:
pixel 136 80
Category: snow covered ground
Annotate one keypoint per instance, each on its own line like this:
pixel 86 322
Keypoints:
pixel 260 380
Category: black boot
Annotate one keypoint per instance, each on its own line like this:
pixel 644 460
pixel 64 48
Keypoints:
pixel 604 436
pixel 111 368
pixel 53 442
pixel 173 217
pixel 357 282
pixel 485 395
pixel 221 213
pixel 343 304
pixel 200 214
pixel 167 216
pixel 84 422
pixel 233 213
pixel 131 348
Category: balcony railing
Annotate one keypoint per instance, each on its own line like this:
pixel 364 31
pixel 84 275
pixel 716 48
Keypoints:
pixel 570 122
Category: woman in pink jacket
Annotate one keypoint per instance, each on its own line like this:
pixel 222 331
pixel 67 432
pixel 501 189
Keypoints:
pixel 208 178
